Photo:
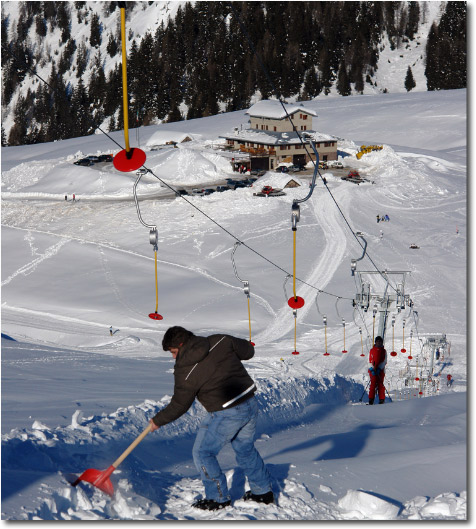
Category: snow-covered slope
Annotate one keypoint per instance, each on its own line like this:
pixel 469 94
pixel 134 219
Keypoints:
pixel 73 396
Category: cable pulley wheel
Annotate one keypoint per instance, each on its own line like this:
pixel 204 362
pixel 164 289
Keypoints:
pixel 127 161
pixel 296 302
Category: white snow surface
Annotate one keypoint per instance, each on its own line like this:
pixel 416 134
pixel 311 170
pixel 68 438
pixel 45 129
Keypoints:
pixel 74 397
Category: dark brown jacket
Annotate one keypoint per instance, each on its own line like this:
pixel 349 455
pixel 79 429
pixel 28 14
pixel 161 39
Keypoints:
pixel 211 370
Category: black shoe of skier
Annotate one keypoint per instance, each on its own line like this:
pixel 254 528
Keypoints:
pixel 371 401
pixel 210 505
pixel 381 401
pixel 266 498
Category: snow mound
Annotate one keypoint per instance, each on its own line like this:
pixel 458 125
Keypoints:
pixel 360 505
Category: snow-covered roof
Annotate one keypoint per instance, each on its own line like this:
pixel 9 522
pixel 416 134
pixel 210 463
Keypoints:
pixel 161 137
pixel 277 138
pixel 270 108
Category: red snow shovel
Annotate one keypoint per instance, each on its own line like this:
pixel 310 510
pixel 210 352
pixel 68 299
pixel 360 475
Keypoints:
pixel 100 479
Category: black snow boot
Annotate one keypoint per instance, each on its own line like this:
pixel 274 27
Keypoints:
pixel 381 401
pixel 266 498
pixel 371 401
pixel 210 505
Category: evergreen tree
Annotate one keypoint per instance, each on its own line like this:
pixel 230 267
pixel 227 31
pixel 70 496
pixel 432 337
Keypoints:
pixel 409 80
pixel 343 82
pixel 432 68
pixel 112 46
pixel 96 30
pixel 80 110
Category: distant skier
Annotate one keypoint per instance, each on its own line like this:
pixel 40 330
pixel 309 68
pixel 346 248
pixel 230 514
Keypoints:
pixel 74 197
pixel 387 218
pixel 381 234
pixel 449 380
pixel 110 330
pixel 66 197
pixel 378 361
pixel 378 219
pixel 211 370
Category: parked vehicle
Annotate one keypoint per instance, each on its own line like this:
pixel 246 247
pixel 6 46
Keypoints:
pixel 250 181
pixel 267 190
pixel 94 159
pixel 282 169
pixel 181 192
pixel 256 172
pixel 323 165
pixel 84 161
pixel 335 164
pixel 209 191
pixel 105 157
pixel 220 189
pixel 353 174
pixel 198 192
pixel 297 167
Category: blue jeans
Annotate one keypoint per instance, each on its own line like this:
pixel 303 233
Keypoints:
pixel 238 426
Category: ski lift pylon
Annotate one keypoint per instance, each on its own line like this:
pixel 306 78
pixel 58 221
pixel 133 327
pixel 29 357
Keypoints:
pixel 128 159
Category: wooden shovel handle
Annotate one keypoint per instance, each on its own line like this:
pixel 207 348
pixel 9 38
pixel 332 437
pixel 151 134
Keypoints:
pixel 131 447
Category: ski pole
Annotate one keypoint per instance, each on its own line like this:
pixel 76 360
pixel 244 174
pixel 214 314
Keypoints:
pixel 360 400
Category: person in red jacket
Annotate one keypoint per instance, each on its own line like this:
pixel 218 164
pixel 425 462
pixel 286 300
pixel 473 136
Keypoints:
pixel 378 360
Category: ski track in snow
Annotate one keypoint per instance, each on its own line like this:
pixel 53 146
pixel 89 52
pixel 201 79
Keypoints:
pixel 326 215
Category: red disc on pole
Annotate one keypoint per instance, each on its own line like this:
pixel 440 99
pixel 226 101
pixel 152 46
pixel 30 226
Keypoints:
pixel 417 378
pixel 326 354
pixel 410 357
pixel 403 350
pixel 252 343
pixel 344 351
pixel 296 302
pixel 155 316
pixel 393 353
pixel 362 354
pixel 295 352
pixel 129 161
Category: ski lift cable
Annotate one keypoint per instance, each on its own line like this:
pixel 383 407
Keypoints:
pixel 273 87
pixel 32 70
pixel 240 241
pixel 106 134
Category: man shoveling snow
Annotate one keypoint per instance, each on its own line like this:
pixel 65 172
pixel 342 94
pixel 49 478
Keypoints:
pixel 211 370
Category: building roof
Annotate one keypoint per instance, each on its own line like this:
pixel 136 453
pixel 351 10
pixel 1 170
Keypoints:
pixel 270 108
pixel 161 137
pixel 267 137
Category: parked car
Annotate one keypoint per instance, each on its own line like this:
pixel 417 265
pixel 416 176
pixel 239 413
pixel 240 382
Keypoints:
pixel 105 157
pixel 335 164
pixel 198 192
pixel 256 172
pixel 84 161
pixel 181 192
pixel 267 190
pixel 220 189
pixel 94 159
pixel 282 169
pixel 209 191
pixel 296 167
pixel 323 165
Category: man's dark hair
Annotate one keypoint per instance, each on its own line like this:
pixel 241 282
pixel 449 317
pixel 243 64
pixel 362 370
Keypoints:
pixel 174 336
pixel 379 339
